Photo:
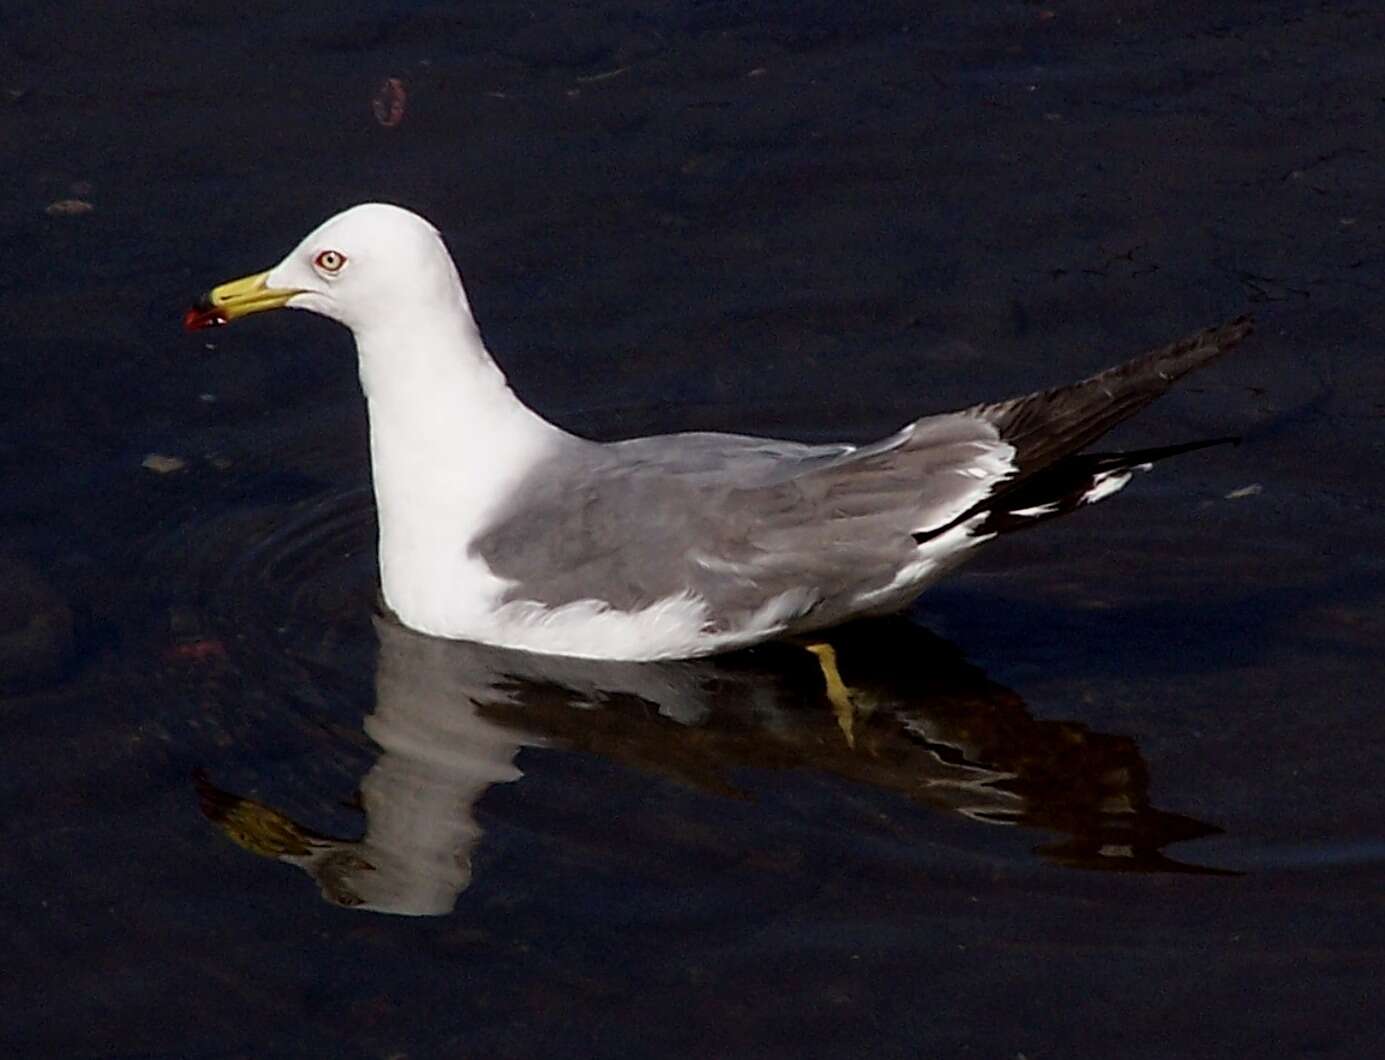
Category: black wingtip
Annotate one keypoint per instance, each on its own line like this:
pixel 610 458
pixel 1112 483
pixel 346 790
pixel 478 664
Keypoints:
pixel 1052 424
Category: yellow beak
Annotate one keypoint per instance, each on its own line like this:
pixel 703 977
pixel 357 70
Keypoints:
pixel 239 298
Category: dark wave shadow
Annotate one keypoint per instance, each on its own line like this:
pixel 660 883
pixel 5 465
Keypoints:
pixel 883 703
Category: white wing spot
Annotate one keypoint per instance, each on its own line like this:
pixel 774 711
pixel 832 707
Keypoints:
pixel 1037 510
pixel 1109 482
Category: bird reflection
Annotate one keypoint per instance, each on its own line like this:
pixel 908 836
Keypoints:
pixel 883 703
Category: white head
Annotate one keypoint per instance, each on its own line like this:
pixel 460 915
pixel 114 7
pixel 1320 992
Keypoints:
pixel 368 264
pixel 367 267
pixel 448 438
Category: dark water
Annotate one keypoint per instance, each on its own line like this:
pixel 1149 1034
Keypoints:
pixel 1113 790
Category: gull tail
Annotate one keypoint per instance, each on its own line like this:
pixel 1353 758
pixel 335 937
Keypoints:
pixel 1048 426
pixel 1047 429
pixel 1074 482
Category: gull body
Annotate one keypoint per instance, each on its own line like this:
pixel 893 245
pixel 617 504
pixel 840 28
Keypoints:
pixel 499 527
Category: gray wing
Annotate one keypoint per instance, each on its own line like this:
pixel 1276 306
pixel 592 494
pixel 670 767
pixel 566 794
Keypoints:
pixel 740 521
pixel 736 520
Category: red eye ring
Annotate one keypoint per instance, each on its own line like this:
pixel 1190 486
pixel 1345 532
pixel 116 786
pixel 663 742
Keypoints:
pixel 330 261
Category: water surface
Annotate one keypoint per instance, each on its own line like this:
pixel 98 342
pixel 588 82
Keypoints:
pixel 1112 789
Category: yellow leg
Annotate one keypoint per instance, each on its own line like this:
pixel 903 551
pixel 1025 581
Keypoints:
pixel 837 692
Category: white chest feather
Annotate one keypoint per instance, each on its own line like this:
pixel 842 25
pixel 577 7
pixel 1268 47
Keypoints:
pixel 448 443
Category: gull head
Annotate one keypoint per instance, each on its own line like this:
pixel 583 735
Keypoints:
pixel 370 264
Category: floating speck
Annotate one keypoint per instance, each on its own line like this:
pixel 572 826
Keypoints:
pixel 163 464
pixel 1245 491
pixel 68 208
pixel 604 76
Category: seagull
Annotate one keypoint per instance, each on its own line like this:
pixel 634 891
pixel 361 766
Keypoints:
pixel 499 527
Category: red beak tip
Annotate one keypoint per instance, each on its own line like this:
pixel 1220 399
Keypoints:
pixel 196 319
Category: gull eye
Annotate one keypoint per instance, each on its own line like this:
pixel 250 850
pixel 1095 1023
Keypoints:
pixel 330 261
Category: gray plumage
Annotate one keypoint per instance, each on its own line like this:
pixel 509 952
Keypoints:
pixel 739 520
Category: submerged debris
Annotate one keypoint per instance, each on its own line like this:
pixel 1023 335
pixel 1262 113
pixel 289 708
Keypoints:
pixel 389 102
